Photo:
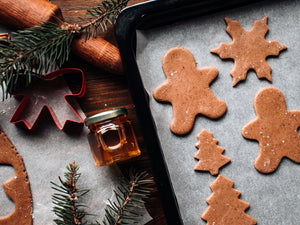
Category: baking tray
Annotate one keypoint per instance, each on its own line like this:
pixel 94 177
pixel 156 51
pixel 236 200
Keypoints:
pixel 144 33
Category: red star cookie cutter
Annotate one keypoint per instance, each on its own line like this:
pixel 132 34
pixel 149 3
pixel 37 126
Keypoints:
pixel 46 95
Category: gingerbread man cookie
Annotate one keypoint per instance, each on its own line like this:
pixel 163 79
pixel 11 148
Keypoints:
pixel 187 89
pixel 275 129
pixel 249 49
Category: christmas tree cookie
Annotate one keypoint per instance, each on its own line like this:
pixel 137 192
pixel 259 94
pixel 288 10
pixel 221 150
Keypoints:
pixel 225 207
pixel 187 89
pixel 275 129
pixel 249 49
pixel 209 153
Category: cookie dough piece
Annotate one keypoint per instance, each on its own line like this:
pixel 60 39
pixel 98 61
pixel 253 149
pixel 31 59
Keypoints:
pixel 275 129
pixel 225 207
pixel 17 187
pixel 209 154
pixel 187 89
pixel 249 49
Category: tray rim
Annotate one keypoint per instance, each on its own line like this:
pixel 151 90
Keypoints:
pixel 147 15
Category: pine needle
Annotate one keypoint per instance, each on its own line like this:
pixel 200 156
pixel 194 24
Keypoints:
pixel 66 200
pixel 125 209
pixel 105 13
pixel 32 52
pixel 128 197
pixel 41 49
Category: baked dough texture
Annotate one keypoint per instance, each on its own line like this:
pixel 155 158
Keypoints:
pixel 275 129
pixel 187 89
pixel 209 153
pixel 17 187
pixel 249 49
pixel 225 207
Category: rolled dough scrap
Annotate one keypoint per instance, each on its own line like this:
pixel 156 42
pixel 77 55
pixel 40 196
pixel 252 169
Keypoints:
pixel 17 187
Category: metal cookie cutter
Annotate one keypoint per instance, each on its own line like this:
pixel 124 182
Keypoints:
pixel 51 94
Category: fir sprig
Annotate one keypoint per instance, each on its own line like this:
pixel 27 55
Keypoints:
pixel 32 52
pixel 67 207
pixel 124 209
pixel 103 14
pixel 129 197
pixel 37 50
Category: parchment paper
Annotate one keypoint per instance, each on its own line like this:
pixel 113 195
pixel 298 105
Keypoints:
pixel 273 198
pixel 46 152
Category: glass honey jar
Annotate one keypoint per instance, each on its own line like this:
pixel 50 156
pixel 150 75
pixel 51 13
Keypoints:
pixel 111 137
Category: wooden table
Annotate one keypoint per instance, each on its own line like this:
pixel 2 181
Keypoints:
pixel 106 91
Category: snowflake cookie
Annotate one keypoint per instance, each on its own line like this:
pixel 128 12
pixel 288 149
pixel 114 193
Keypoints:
pixel 249 49
pixel 275 129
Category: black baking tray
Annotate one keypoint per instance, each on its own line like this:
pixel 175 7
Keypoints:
pixel 145 16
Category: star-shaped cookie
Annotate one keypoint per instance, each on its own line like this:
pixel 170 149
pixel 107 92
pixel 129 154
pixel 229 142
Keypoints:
pixel 275 129
pixel 249 49
pixel 187 89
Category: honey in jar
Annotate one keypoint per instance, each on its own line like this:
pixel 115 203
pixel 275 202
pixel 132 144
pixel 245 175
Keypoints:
pixel 111 137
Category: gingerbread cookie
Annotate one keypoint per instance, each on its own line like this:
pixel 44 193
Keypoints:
pixel 17 187
pixel 225 207
pixel 275 129
pixel 187 89
pixel 249 49
pixel 209 154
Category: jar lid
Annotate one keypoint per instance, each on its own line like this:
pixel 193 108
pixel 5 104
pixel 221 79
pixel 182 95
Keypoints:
pixel 106 115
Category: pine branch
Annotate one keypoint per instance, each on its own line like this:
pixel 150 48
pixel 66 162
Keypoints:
pixel 129 196
pixel 103 14
pixel 67 207
pixel 38 50
pixel 33 52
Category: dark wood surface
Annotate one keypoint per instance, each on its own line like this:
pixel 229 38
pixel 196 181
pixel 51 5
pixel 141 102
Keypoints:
pixel 105 91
